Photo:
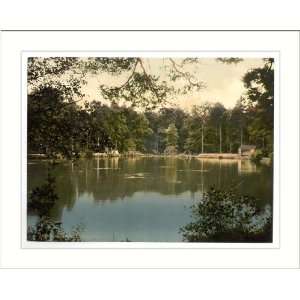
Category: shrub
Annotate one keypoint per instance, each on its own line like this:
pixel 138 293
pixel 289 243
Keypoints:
pixel 223 216
pixel 170 150
pixel 47 230
pixel 257 156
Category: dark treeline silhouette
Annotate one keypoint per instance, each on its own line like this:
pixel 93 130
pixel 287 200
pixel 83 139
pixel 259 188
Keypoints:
pixel 69 129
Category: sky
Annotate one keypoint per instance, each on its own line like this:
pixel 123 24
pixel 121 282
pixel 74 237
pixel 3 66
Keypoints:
pixel 223 81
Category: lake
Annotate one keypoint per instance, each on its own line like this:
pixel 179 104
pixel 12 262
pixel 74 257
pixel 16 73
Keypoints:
pixel 144 199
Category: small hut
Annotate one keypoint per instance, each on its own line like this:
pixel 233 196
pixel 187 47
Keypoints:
pixel 246 150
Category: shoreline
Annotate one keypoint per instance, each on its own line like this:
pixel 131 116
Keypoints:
pixel 220 156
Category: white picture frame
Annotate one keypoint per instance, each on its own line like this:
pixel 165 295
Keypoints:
pixel 283 252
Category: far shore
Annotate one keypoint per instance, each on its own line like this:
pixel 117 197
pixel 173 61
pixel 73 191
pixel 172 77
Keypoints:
pixel 231 156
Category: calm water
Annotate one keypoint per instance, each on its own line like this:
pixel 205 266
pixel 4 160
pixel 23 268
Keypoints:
pixel 142 199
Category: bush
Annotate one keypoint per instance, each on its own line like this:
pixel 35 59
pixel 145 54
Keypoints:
pixel 257 156
pixel 170 150
pixel 47 230
pixel 223 216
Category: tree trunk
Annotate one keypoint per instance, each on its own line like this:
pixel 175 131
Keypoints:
pixel 220 133
pixel 202 138
pixel 241 136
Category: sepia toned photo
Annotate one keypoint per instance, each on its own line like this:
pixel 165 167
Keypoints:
pixel 150 149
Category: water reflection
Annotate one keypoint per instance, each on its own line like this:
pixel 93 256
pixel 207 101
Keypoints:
pixel 245 166
pixel 88 189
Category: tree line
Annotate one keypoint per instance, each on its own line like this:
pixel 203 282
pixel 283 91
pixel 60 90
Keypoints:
pixel 58 124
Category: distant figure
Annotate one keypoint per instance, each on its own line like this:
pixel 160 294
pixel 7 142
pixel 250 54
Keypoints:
pixel 246 150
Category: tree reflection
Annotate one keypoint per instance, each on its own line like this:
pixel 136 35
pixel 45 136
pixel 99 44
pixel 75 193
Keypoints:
pixel 112 179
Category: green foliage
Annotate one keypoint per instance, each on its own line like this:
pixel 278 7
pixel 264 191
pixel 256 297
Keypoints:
pixel 199 128
pixel 224 216
pixel 51 127
pixel 141 88
pixel 259 104
pixel 96 127
pixel 170 150
pixel 130 145
pixel 47 230
pixel 59 73
pixel 257 156
pixel 217 114
pixel 60 128
pixel 74 129
pixel 171 136
pixel 159 121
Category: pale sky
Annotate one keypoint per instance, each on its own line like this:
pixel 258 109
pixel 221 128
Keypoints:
pixel 223 81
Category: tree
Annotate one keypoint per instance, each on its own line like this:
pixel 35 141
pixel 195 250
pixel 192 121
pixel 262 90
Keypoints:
pixel 175 115
pixel 216 118
pixel 138 85
pixel 138 129
pixel 229 60
pixel 50 123
pixel 238 125
pixel 55 88
pixel 197 123
pixel 60 123
pixel 259 102
pixel 171 135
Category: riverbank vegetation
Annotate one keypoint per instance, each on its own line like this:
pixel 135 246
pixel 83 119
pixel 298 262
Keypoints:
pixel 40 202
pixel 48 230
pixel 225 216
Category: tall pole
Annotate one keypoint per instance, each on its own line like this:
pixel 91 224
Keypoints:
pixel 202 139
pixel 241 136
pixel 220 133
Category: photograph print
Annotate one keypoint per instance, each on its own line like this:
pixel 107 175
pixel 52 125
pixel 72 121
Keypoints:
pixel 149 149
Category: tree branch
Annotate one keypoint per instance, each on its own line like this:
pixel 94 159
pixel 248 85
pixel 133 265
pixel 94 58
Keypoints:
pixel 129 78
pixel 186 75
pixel 149 79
